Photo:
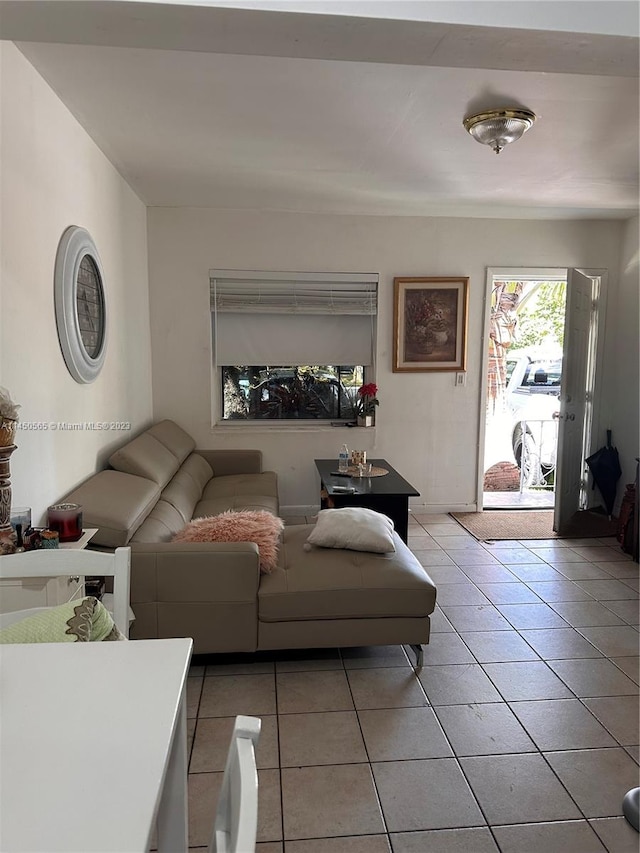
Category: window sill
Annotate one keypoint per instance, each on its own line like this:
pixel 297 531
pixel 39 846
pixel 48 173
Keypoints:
pixel 277 426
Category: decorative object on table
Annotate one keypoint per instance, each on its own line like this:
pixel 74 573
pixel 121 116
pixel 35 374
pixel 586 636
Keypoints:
pixel 32 538
pixel 358 457
pixel 498 128
pixel 430 324
pixel 8 424
pixel 366 404
pixel 343 459
pixel 81 312
pixel 67 520
pixel 49 539
pixel 20 520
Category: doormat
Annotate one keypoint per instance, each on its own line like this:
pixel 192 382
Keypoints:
pixel 533 524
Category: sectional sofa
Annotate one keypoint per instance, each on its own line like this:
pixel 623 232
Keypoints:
pixel 214 591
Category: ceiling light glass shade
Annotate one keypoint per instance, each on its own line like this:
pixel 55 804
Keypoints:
pixel 499 127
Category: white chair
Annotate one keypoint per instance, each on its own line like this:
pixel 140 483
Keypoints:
pixel 62 562
pixel 236 821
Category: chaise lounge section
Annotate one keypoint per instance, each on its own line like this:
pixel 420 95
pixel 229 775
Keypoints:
pixel 214 591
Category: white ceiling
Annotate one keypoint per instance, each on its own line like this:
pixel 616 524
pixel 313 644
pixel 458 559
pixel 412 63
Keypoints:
pixel 268 110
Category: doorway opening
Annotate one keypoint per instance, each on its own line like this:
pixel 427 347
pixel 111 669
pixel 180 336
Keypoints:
pixel 524 375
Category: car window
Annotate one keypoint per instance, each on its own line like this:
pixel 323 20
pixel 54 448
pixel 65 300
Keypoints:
pixel 543 374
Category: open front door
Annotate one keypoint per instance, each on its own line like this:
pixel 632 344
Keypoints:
pixel 576 399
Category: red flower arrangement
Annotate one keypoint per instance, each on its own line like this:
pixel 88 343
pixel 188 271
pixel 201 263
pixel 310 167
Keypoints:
pixel 367 400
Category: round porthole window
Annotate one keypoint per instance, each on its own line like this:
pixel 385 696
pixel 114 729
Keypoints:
pixel 81 315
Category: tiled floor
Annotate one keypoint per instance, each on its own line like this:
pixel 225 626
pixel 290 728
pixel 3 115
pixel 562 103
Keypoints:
pixel 519 734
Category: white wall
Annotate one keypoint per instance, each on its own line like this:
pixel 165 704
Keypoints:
pixel 426 427
pixel 54 176
pixel 625 373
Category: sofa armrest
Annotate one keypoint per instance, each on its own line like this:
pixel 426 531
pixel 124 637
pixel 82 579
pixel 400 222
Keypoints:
pixel 204 590
pixel 226 462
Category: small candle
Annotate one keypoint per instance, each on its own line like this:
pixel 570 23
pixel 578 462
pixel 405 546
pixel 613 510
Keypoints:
pixel 67 520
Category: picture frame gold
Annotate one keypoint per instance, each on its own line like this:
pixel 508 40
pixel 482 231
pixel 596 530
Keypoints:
pixel 430 317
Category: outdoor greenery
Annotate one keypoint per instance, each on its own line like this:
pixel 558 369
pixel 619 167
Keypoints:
pixel 541 316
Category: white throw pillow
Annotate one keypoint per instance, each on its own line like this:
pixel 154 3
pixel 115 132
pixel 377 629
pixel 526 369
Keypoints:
pixel 354 528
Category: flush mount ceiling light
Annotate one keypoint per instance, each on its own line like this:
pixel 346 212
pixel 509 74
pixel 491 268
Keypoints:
pixel 499 127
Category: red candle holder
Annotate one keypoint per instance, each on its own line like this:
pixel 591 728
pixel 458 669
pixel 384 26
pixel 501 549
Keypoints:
pixel 67 520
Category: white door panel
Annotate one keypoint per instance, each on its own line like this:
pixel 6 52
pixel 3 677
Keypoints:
pixel 576 399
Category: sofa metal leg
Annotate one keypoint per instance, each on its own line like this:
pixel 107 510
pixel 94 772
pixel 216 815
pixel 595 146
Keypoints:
pixel 417 648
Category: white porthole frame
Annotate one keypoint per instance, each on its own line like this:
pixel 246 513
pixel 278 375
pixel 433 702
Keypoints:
pixel 74 244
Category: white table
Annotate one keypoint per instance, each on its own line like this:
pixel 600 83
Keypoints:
pixel 93 746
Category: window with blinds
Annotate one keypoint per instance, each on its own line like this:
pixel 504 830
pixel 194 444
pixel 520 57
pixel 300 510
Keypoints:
pixel 292 346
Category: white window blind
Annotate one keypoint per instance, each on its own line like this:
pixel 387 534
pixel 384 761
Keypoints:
pixel 289 318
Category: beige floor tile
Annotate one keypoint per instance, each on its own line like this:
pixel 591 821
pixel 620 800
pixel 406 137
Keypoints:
pixel 196 670
pixel 434 556
pixel 306 692
pixel 457 542
pixel 457 684
pixel 559 643
pixel 489 729
pixel 306 660
pixel 581 571
pixel 472 558
pixel 558 555
pixel 634 752
pixel 619 715
pixel 194 692
pixel 428 794
pixel 559 591
pixel 630 666
pixel 531 616
pixel 191 730
pixel 629 610
pixel 478 617
pixel 204 790
pixel 477 840
pixel 534 572
pixel 593 678
pixel 597 779
pixel 619 569
pixel 319 802
pixel 398 734
pixel 446 649
pixel 509 593
pixel 460 593
pixel 331 737
pixel 616 833
pixel 428 518
pixel 352 844
pixel 489 574
pixel 607 590
pixel 439 623
pixel 367 657
pixel 518 788
pixel 633 583
pixel 514 555
pixel 586 613
pixel 269 847
pixel 228 695
pixel 386 688
pixel 423 543
pixel 613 641
pixel 561 724
pixel 443 574
pixel 575 836
pixel 212 744
pixel 498 646
pixel 524 680
pixel 444 528
pixel 599 553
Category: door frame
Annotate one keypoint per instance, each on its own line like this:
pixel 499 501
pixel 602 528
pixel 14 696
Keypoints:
pixel 532 273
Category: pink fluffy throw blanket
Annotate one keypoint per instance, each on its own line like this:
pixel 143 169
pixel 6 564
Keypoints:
pixel 257 526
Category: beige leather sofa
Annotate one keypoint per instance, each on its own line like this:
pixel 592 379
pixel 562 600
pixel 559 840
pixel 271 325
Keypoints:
pixel 214 592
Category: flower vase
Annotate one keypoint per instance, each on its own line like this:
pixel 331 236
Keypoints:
pixel 365 420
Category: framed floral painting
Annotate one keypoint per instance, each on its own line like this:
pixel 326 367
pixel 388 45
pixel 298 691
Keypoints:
pixel 430 324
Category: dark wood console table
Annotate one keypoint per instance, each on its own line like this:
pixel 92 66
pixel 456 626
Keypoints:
pixel 388 494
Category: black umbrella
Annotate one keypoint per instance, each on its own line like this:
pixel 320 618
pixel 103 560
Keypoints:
pixel 606 471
